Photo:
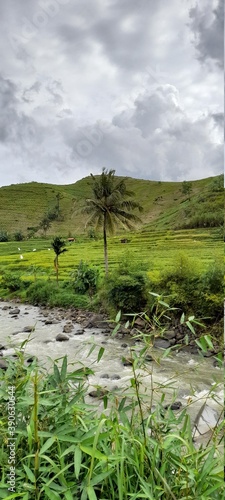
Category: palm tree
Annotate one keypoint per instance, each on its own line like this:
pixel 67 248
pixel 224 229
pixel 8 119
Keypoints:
pixel 110 205
pixel 58 245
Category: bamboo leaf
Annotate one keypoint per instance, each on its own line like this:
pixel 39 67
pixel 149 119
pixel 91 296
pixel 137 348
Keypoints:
pixel 77 461
pixel 100 353
pixel 93 453
pixel 29 474
pixel 52 495
pixel 91 493
pixel 64 369
pixel 57 374
pixel 47 444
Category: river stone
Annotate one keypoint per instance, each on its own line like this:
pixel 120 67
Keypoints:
pixel 99 393
pixel 127 362
pixel 149 358
pixel 124 345
pixel 5 308
pixel 206 420
pixel 169 334
pixel 79 332
pixel 28 329
pixel 3 364
pixel 162 343
pixel 68 328
pixel 115 377
pixel 104 375
pixel 173 406
pixel 2 347
pixel 15 311
pixel 62 337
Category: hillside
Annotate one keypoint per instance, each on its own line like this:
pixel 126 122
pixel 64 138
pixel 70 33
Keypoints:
pixel 165 206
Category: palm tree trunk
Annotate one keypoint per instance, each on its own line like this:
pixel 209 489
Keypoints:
pixel 105 245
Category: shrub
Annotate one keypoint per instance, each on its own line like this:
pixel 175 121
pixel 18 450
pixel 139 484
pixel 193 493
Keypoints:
pixel 4 236
pixel 12 281
pixel 85 278
pixel 47 293
pixel 18 236
pixel 127 292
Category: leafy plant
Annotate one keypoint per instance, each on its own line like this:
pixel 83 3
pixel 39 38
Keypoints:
pixel 85 278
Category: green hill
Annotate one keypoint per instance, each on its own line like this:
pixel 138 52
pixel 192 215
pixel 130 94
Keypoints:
pixel 165 205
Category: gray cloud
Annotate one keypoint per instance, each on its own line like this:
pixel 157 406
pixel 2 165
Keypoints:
pixel 110 83
pixel 208 25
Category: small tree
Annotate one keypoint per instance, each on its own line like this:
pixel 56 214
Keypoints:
pixel 58 245
pixel 187 188
pixel 45 223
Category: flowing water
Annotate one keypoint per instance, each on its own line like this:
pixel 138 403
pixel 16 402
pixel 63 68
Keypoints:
pixel 182 376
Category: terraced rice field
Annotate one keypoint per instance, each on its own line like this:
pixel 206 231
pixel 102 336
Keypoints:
pixel 159 249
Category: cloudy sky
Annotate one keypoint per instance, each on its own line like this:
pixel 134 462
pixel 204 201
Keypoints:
pixel 133 85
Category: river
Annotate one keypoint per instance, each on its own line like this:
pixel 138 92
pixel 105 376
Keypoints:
pixel 191 379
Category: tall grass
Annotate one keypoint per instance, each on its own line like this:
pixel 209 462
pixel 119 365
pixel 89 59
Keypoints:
pixel 66 449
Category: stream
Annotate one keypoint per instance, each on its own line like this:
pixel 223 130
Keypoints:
pixel 189 379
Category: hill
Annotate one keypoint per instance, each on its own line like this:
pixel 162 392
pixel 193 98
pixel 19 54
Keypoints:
pixel 165 205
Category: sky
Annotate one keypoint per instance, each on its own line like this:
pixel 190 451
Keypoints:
pixel 130 85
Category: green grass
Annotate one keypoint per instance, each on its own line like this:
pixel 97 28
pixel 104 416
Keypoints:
pixel 23 205
pixel 159 249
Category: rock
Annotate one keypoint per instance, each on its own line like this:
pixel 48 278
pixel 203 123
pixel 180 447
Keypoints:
pixel 16 333
pixel 104 342
pixel 140 323
pixel 2 347
pixel 5 308
pixel 162 343
pixel 96 321
pixel 205 421
pixel 104 375
pixel 127 361
pixel 148 358
pixel 99 393
pixel 79 332
pixel 115 377
pixel 48 322
pixel 3 364
pixel 173 406
pixel 31 359
pixel 28 329
pixel 62 337
pixel 169 334
pixel 68 328
pixel 124 345
pixel 15 311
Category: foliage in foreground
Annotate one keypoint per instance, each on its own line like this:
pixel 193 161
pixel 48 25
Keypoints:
pixel 65 450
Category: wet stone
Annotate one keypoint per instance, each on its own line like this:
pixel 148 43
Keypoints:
pixel 162 343
pixel 28 329
pixel 115 377
pixel 104 375
pixel 62 337
pixel 124 345
pixel 173 406
pixel 14 311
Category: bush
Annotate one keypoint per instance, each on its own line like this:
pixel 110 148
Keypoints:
pixel 85 279
pixel 12 282
pixel 47 293
pixel 127 292
pixel 18 236
pixel 4 236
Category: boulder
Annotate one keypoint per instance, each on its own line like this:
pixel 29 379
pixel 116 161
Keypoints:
pixel 162 343
pixel 62 337
pixel 115 377
pixel 28 329
pixel 68 328
pixel 173 406
pixel 98 393
pixel 15 311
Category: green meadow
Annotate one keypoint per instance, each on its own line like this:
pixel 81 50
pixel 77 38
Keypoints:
pixel 160 250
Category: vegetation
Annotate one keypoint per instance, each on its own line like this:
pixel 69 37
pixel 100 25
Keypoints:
pixel 58 245
pixel 65 449
pixel 164 204
pixel 110 206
